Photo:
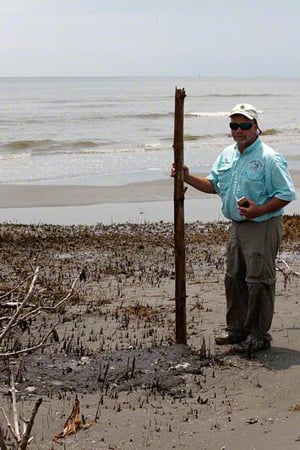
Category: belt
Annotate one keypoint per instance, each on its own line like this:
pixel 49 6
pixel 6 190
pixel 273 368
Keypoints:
pixel 240 222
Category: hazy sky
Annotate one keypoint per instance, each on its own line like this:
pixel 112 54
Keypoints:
pixel 150 37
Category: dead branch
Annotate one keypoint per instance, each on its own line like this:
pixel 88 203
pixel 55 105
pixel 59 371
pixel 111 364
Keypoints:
pixel 28 426
pixel 71 292
pixel 39 309
pixel 17 319
pixel 34 347
pixel 9 425
pixel 13 305
pixel 21 307
pixel 7 294
pixel 69 296
pixel 15 409
pixel 4 318
pixel 21 440
pixel 3 445
pixel 286 270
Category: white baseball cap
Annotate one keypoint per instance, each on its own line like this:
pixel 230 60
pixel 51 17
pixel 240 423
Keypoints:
pixel 245 109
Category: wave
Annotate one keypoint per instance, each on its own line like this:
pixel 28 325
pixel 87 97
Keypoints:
pixel 207 114
pixel 192 137
pixel 276 131
pixel 170 114
pixel 26 144
pixel 195 137
pixel 90 116
pixel 150 115
pixel 85 144
pixel 14 155
pixel 272 132
pixel 47 145
pixel 243 95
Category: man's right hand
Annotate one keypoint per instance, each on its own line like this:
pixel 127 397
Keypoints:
pixel 186 172
pixel 200 183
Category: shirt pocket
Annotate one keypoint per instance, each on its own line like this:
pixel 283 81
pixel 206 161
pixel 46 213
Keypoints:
pixel 225 176
pixel 255 182
pixel 255 176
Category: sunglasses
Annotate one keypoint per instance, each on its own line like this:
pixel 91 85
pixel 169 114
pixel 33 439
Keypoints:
pixel 243 126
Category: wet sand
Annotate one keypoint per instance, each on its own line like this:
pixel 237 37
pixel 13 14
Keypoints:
pixel 90 204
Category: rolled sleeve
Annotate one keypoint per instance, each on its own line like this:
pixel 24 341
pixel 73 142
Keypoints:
pixel 214 174
pixel 213 178
pixel 279 180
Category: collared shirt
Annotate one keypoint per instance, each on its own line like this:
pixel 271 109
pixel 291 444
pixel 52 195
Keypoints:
pixel 258 173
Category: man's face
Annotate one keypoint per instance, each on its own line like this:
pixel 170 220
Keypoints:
pixel 243 138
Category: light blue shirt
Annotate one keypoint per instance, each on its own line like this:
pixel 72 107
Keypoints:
pixel 259 173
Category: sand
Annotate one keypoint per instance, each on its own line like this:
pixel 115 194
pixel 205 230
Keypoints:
pixel 90 204
pixel 41 195
pixel 115 347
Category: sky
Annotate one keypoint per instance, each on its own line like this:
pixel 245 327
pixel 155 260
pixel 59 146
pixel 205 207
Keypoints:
pixel 150 38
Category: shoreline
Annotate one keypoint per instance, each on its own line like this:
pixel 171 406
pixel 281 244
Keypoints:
pixel 89 204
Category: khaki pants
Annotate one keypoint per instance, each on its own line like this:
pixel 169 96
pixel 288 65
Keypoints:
pixel 250 276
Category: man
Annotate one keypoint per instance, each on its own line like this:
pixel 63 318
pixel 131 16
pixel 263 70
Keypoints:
pixel 254 184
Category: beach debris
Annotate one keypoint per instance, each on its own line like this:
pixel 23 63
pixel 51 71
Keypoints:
pixel 252 421
pixel 20 308
pixel 295 407
pixel 286 270
pixel 73 424
pixel 183 365
pixel 25 312
pixel 258 383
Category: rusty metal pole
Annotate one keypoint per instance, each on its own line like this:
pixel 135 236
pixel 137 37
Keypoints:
pixel 179 238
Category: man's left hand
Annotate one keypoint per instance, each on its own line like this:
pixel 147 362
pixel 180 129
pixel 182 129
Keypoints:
pixel 250 212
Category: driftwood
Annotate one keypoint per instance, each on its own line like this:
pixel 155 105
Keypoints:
pixel 22 439
pixel 42 343
pixel 3 445
pixel 14 318
pixel 25 311
pixel 286 270
pixel 7 294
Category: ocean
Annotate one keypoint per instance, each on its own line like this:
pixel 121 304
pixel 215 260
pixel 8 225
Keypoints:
pixel 112 130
